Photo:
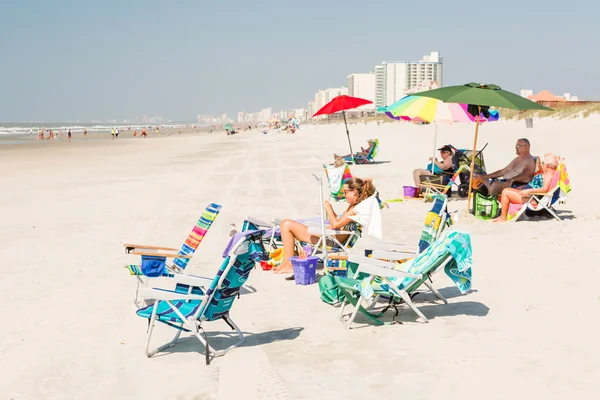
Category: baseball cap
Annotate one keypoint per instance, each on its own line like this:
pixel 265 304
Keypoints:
pixel 446 148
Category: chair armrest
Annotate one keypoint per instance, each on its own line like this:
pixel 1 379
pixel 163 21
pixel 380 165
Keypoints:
pixel 158 254
pixel 192 280
pixel 316 230
pixel 129 247
pixel 161 294
pixel 393 255
pixel 406 248
pixel 377 267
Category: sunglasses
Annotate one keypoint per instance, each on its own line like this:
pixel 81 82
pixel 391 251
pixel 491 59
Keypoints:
pixel 519 146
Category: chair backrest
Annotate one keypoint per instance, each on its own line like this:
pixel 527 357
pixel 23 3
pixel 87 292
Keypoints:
pixel 197 234
pixel 244 249
pixel 337 177
pixel 436 220
pixel 450 246
pixel 373 151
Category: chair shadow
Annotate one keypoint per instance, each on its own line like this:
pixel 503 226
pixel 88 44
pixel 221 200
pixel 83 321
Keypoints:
pixel 247 289
pixel 432 307
pixel 221 340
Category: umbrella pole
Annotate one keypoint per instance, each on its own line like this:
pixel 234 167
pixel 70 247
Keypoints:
pixel 348 134
pixel 434 146
pixel 473 160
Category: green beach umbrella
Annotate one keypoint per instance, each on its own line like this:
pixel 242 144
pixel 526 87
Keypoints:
pixel 480 95
pixel 228 127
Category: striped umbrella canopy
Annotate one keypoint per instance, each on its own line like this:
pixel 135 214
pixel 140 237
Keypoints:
pixel 426 109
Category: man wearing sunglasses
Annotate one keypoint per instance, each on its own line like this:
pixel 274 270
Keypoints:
pixel 519 172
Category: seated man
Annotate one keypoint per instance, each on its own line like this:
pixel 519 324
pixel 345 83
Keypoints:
pixel 518 173
pixel 445 165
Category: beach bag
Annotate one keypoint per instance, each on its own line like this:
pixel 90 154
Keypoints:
pixel 153 266
pixel 330 292
pixel 485 207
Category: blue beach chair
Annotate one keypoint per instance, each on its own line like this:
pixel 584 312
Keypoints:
pixel 188 311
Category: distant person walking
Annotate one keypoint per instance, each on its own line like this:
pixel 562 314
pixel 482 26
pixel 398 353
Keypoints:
pixel 144 132
pixel 117 133
pixel 69 135
pixel 112 132
pixel 84 132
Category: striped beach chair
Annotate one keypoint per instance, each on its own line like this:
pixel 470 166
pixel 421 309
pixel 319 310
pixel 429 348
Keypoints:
pixel 183 255
pixel 188 312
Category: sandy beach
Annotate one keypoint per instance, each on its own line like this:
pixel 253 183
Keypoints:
pixel 528 329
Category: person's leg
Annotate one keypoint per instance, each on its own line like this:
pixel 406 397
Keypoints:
pixel 417 175
pixel 291 230
pixel 509 196
pixel 497 187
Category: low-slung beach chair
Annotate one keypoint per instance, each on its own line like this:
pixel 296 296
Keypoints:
pixel 560 188
pixel 360 158
pixel 183 255
pixel 399 281
pixel 187 312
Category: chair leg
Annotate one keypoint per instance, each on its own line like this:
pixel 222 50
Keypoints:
pixel 342 307
pixel 553 213
pixel 218 353
pixel 435 291
pixel 408 301
pixel 356 308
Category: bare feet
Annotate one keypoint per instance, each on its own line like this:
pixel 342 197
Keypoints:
pixel 284 268
pixel 500 219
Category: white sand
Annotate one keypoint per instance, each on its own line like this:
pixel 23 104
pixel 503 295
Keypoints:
pixel 69 329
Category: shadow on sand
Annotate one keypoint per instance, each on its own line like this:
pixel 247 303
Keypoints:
pixel 221 340
pixel 432 307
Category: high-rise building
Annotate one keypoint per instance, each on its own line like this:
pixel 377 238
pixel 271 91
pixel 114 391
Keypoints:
pixel 311 110
pixel 394 79
pixel 240 117
pixel 363 86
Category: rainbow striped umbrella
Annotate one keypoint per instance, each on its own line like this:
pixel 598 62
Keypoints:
pixel 426 109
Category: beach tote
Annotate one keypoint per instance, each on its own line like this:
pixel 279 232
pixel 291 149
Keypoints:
pixel 153 266
pixel 485 207
pixel 330 292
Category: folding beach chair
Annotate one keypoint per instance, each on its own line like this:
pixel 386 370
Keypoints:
pixel 375 277
pixel 187 312
pixel 336 177
pixel 436 221
pixel 561 186
pixel 361 158
pixel 160 253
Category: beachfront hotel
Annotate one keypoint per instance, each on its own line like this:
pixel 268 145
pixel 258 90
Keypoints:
pixel 363 86
pixel 393 80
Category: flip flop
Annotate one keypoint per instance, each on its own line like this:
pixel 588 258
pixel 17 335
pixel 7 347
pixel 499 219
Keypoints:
pixel 290 278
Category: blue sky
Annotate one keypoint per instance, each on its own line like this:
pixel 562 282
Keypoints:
pixel 95 60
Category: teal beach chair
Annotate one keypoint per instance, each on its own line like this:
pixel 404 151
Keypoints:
pixel 374 277
pixel 189 311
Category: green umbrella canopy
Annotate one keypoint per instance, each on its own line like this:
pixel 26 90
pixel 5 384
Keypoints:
pixel 228 127
pixel 482 95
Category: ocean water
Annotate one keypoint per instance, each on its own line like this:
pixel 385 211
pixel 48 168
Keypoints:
pixel 23 129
